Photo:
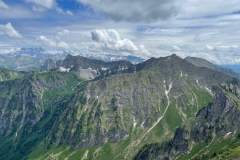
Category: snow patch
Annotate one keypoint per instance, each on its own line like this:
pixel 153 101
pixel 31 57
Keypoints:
pixel 197 81
pixel 134 122
pixel 168 90
pixel 142 124
pixel 227 135
pixel 104 69
pixel 122 68
pixel 209 90
pixel 63 69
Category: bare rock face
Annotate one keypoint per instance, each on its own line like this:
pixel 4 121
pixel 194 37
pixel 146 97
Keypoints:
pixel 23 101
pixel 121 100
pixel 218 119
pixel 179 144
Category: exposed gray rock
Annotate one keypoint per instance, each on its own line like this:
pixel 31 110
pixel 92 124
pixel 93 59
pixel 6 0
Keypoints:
pixel 217 119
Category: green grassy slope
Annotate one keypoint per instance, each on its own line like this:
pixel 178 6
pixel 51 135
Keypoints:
pixel 181 112
pixel 57 116
pixel 44 94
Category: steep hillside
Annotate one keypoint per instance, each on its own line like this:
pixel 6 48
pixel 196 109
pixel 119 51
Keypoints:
pixel 23 103
pixel 126 111
pixel 216 127
pixel 54 115
pixel 199 62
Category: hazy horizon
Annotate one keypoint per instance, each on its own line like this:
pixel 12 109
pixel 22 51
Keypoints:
pixel 153 28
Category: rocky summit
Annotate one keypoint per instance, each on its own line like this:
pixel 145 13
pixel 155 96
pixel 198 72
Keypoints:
pixel 165 108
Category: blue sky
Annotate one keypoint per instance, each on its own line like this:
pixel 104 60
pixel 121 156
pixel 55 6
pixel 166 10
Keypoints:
pixel 201 28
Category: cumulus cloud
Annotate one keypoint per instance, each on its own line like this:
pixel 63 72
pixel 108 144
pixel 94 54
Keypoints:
pixel 135 10
pixel 3 5
pixel 47 4
pixel 10 31
pixel 110 39
pixel 53 43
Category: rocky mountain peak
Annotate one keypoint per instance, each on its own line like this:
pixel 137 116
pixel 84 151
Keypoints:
pixel 160 108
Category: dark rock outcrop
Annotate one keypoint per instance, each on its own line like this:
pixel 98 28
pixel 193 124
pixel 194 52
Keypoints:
pixel 88 68
pixel 219 118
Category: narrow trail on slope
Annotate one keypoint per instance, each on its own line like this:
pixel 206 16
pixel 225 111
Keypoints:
pixel 165 111
pixel 196 99
pixel 85 156
pixel 138 141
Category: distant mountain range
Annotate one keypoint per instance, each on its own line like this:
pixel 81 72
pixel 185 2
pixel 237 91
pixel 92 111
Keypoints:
pixel 233 67
pixel 27 59
pixel 160 109
pixel 32 59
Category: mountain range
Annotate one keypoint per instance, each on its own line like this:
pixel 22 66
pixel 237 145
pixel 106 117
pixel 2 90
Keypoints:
pixel 85 109
pixel 27 59
pixel 233 67
pixel 34 59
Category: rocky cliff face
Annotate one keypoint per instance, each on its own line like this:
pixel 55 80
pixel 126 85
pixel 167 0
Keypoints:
pixel 117 104
pixel 219 119
pixel 111 109
pixel 115 115
pixel 24 102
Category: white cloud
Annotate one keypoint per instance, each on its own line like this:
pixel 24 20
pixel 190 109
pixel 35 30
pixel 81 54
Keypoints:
pixel 222 47
pixel 153 10
pixel 135 10
pixel 110 39
pixel 48 4
pixel 63 32
pixel 53 43
pixel 3 5
pixel 16 12
pixel 7 49
pixel 214 38
pixel 10 31
pixel 200 8
pixel 63 12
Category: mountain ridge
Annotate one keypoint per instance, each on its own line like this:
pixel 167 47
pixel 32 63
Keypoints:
pixel 108 117
pixel 204 131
